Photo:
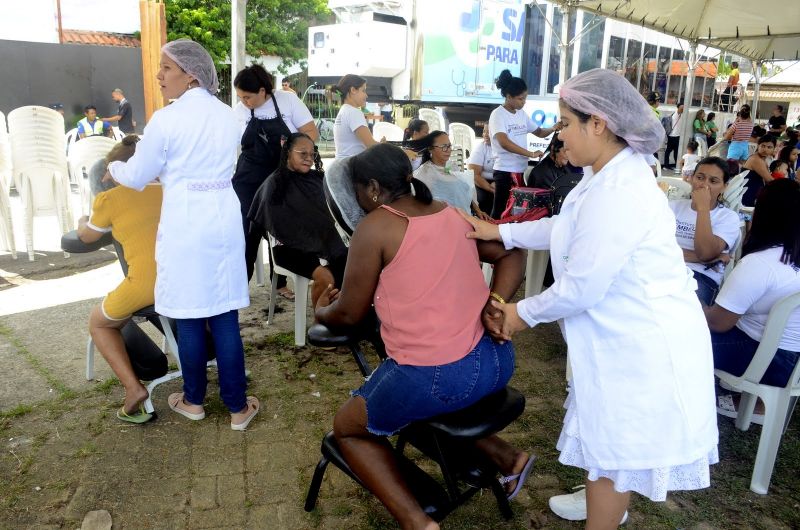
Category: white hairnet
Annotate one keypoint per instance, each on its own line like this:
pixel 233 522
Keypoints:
pixel 195 61
pixel 608 95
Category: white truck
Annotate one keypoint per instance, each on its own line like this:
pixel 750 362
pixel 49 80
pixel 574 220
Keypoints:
pixel 441 53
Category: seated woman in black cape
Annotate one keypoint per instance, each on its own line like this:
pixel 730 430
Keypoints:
pixel 290 206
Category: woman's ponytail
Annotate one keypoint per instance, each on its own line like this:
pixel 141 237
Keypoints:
pixel 421 191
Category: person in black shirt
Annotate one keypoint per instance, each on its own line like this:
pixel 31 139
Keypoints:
pixel 124 115
pixel 777 122
pixel 551 168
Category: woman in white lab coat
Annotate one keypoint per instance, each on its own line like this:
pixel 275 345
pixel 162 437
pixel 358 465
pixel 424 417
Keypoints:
pixel 201 276
pixel 640 413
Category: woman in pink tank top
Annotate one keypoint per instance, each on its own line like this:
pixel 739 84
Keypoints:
pixel 410 258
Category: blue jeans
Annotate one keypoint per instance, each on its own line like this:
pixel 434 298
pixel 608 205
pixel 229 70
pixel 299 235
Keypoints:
pixel 707 289
pixel 399 394
pixel 734 349
pixel 230 359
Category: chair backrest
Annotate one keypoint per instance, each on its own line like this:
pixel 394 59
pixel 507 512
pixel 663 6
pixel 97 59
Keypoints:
pixel 70 137
pixel 776 323
pixel 735 253
pixel 88 151
pixel 462 136
pixel 5 154
pixel 390 131
pixel 434 119
pixel 732 197
pixel 678 188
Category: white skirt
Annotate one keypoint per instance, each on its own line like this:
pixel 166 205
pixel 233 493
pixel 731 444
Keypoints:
pixel 652 483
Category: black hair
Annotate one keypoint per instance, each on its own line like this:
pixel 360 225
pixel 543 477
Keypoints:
pixel 718 162
pixel 768 139
pixel 693 145
pixel 744 113
pixel 415 125
pixel 555 146
pixel 779 107
pixel 653 97
pixel 423 145
pixel 776 164
pixel 758 132
pixel 735 64
pixel 776 221
pixel 711 116
pixel 510 85
pixel 253 78
pixel 347 82
pixel 390 167
pixel 584 118
pixel 87 108
pixel 283 174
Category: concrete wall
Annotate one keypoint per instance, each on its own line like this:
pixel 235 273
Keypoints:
pixel 74 75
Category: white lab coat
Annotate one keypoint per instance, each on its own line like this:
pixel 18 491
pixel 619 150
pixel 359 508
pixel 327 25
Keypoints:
pixel 191 145
pixel 639 346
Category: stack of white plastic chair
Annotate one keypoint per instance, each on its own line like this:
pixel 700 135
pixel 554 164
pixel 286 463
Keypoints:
pixel 462 136
pixel 434 119
pixel 38 154
pixel 390 131
pixel 81 157
pixel 6 223
pixel 732 197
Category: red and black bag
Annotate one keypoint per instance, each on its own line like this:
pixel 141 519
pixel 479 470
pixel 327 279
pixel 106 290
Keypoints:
pixel 526 204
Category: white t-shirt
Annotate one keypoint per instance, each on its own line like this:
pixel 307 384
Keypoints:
pixel 293 111
pixel 689 163
pixel 724 225
pixel 516 126
pixel 482 155
pixel 344 131
pixel 757 282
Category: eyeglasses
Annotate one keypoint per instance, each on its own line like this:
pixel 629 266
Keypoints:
pixel 304 154
pixel 444 147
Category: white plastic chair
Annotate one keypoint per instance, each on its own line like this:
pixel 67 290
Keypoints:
pixel 40 166
pixel 433 118
pixel 390 131
pixel 6 221
pixel 678 188
pixel 80 159
pixel 301 284
pixel 779 402
pixel 732 197
pixel 462 137
pixel 71 137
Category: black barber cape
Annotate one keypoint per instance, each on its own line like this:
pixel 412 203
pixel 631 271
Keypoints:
pixel 292 208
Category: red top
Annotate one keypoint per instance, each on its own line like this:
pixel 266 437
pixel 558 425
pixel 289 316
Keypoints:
pixel 430 296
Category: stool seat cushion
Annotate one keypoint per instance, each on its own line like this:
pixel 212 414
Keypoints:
pixel 319 335
pixel 489 415
pixel 70 242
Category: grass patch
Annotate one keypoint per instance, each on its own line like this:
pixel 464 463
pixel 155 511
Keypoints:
pixel 16 412
pixel 106 386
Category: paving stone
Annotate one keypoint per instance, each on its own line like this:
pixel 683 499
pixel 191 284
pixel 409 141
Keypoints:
pixel 231 491
pixel 204 493
pixel 220 518
pixel 212 463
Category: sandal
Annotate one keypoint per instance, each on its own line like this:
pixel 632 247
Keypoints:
pixel 520 478
pixel 176 400
pixel 252 406
pixel 138 417
pixel 286 293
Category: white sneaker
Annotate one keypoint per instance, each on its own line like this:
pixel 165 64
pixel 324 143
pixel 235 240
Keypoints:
pixel 572 506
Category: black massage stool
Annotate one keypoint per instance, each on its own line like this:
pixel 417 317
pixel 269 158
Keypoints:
pixel 447 439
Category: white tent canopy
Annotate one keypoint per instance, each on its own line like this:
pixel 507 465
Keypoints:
pixel 756 30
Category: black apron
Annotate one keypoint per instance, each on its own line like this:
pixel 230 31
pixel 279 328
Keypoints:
pixel 261 153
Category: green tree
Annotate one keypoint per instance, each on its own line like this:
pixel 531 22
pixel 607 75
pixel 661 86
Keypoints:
pixel 273 27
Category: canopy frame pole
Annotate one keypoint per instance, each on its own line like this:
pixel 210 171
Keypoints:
pixel 238 57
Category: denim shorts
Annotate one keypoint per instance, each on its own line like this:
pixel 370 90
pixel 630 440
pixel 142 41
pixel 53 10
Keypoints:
pixel 739 150
pixel 399 394
pixel 734 349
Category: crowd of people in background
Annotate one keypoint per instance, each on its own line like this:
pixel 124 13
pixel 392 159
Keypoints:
pixel 637 281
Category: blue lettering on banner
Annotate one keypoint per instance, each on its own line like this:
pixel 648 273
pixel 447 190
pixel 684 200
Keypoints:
pixel 540 117
pixel 515 31
pixel 501 54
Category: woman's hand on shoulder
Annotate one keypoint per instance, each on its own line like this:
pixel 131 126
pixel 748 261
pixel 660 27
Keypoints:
pixel 481 229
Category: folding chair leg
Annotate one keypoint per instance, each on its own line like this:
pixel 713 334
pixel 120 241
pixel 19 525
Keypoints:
pixel 260 265
pixel 300 310
pixel 502 500
pixel 316 483
pixel 90 359
pixel 361 360
pixel 273 294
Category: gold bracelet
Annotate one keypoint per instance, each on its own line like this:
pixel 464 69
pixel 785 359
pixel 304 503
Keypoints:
pixel 497 297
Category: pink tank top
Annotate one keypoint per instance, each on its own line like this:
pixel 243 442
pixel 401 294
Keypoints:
pixel 429 298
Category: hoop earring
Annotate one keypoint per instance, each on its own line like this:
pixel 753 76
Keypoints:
pixel 374 198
